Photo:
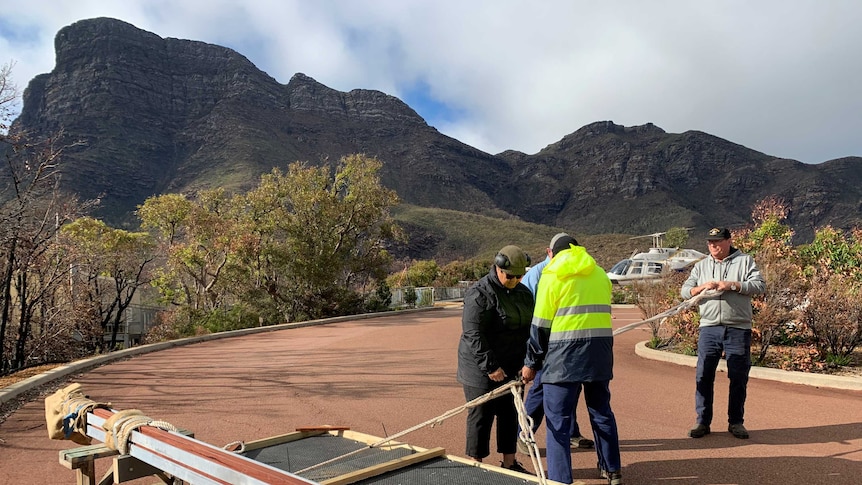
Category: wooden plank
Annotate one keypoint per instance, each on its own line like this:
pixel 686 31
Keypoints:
pixel 323 428
pixel 386 467
pixel 77 457
pixel 279 439
pixel 208 459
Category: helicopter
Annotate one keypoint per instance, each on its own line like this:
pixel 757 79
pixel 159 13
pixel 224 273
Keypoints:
pixel 652 265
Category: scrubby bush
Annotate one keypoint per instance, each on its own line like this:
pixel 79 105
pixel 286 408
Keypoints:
pixel 833 315
pixel 380 299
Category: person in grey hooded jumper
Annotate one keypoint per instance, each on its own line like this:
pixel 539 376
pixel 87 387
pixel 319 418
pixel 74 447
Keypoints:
pixel 725 327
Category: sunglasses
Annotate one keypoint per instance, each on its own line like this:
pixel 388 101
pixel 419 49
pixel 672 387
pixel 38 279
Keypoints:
pixel 513 276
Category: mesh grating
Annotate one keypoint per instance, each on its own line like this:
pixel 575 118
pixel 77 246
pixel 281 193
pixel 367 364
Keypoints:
pixel 441 471
pixel 301 454
pixel 304 453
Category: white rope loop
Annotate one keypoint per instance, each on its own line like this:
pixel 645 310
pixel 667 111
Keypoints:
pixel 122 425
pixel 235 446
pixel 525 421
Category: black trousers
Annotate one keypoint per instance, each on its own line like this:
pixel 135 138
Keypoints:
pixel 481 419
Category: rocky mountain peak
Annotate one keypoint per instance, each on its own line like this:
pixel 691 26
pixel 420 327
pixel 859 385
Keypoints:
pixel 306 94
pixel 163 115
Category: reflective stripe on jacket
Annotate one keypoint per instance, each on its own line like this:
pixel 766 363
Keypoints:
pixel 571 336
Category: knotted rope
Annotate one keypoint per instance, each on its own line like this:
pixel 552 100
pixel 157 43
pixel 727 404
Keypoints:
pixel 525 421
pixel 120 425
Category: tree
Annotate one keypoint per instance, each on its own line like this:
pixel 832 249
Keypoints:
pixel 302 244
pixel 420 273
pixel 112 264
pixel 9 96
pixel 769 240
pixel 833 249
pixel 32 209
pixel 320 233
pixel 198 239
pixel 676 237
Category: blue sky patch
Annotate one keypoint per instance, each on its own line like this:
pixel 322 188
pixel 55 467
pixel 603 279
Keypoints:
pixel 419 97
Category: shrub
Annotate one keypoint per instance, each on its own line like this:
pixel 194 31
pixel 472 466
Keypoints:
pixel 833 314
pixel 624 295
pixel 380 299
pixel 657 296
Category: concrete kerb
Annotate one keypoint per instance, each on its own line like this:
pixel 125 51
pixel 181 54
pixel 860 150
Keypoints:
pixel 793 377
pixel 11 392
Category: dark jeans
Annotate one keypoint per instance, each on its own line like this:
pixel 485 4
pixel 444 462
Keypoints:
pixel 481 418
pixel 536 408
pixel 735 343
pixel 560 401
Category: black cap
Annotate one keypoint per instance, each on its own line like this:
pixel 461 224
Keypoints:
pixel 718 234
pixel 562 242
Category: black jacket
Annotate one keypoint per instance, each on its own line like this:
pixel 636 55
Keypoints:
pixel 495 329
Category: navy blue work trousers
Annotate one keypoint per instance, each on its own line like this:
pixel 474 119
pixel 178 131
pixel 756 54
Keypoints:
pixel 560 400
pixel 536 407
pixel 735 344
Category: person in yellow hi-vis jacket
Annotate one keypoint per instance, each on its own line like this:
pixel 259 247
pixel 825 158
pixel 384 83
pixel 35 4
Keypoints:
pixel 572 341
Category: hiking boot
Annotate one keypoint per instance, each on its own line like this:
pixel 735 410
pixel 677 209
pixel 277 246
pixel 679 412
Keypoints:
pixel 581 442
pixel 615 478
pixel 738 430
pixel 523 447
pixel 699 431
pixel 517 467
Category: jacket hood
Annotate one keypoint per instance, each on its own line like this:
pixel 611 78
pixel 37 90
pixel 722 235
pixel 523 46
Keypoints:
pixel 571 262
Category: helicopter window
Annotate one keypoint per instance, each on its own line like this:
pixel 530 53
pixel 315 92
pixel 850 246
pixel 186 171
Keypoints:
pixel 654 268
pixel 621 267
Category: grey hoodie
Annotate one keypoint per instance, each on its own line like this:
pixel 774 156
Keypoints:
pixel 732 309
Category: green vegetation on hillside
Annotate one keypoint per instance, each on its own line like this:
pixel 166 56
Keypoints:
pixel 463 235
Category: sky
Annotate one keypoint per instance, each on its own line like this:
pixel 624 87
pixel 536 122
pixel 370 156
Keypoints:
pixel 780 77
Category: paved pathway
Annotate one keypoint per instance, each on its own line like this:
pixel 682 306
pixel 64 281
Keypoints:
pixel 383 375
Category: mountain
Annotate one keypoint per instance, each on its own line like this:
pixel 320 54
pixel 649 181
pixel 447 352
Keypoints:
pixel 161 115
pixel 647 180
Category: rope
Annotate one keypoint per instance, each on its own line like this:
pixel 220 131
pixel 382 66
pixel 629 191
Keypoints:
pixel 123 423
pixel 673 311
pixel 433 421
pixel 235 446
pixel 525 421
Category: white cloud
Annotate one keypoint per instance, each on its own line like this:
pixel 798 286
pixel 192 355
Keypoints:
pixel 779 77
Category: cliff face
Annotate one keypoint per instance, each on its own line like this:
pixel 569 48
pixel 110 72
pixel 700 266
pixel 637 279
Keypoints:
pixel 158 115
pixel 167 115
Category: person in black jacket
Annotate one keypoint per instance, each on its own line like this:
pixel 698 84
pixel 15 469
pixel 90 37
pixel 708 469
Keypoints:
pixel 498 311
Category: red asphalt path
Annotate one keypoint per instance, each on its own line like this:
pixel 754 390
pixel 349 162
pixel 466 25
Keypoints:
pixel 385 374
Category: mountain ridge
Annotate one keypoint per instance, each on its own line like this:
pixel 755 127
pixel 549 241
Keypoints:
pixel 169 115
